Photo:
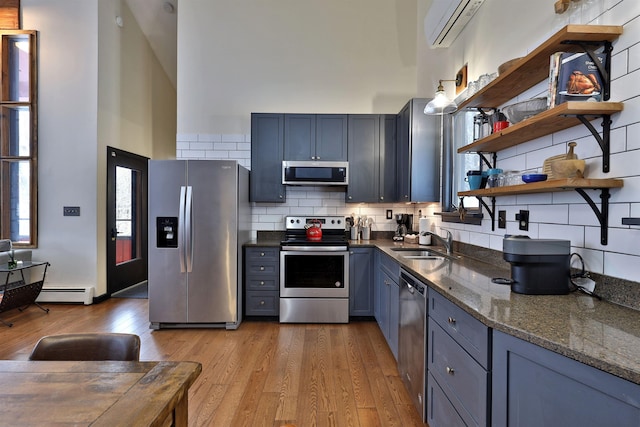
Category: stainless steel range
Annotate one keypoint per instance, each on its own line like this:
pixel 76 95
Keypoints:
pixel 314 274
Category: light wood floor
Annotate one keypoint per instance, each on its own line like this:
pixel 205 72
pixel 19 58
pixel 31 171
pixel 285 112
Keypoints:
pixel 263 374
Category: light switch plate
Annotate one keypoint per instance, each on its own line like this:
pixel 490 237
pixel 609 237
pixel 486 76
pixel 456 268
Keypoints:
pixel 71 211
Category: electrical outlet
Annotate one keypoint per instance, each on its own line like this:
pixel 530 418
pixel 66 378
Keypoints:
pixel 71 211
pixel 502 219
pixel 523 220
pixel 389 214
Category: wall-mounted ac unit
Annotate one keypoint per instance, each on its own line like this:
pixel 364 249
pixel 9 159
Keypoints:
pixel 446 18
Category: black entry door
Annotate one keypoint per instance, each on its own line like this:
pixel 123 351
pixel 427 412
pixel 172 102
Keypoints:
pixel 126 219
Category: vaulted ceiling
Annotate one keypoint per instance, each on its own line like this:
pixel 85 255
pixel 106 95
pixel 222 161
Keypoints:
pixel 158 20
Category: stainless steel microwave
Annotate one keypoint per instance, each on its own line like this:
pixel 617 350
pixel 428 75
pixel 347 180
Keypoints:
pixel 315 173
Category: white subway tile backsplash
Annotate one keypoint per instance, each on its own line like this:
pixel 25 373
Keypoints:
pixel 225 146
pixel 208 137
pixel 233 138
pixel 201 146
pixel 565 232
pixel 621 265
pixel 186 137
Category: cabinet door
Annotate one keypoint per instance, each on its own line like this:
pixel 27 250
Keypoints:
pixel 533 386
pixel 394 317
pixel 418 151
pixel 331 137
pixel 387 167
pixel 383 283
pixel 361 282
pixel 364 158
pixel 299 136
pixel 403 171
pixel 267 138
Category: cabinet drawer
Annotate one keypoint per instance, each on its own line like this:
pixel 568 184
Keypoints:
pixel 262 303
pixel 262 268
pixel 262 254
pixel 462 379
pixel 470 333
pixel 262 283
pixel 391 266
pixel 440 411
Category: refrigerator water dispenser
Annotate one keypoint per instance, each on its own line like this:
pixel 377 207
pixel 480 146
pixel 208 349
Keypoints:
pixel 167 232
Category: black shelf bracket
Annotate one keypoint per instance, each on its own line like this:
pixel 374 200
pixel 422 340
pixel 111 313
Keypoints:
pixel 491 164
pixel 603 70
pixel 602 214
pixel 604 141
pixel 491 210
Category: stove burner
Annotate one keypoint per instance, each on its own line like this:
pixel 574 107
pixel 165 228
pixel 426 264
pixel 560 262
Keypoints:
pixel 333 231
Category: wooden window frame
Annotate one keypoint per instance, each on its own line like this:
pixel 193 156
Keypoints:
pixel 5 131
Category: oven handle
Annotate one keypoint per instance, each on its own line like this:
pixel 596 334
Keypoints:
pixel 306 249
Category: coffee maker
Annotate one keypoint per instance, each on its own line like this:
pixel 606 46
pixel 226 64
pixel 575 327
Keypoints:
pixel 405 226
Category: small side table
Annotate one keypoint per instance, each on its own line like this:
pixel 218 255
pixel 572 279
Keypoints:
pixel 20 294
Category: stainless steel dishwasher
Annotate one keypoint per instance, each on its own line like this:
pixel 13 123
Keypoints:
pixel 412 339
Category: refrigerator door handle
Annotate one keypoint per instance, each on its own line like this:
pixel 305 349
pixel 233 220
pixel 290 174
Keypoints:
pixel 182 229
pixel 189 230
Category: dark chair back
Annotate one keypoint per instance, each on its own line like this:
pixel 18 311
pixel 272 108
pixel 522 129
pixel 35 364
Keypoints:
pixel 88 346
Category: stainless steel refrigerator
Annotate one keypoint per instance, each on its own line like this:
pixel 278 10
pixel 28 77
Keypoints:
pixel 199 218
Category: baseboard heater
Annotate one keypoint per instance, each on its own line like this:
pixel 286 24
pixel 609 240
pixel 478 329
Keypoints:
pixel 67 295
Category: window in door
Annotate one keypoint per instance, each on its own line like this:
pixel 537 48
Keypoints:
pixel 126 214
pixel 18 137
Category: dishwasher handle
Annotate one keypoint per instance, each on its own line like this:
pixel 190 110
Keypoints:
pixel 413 284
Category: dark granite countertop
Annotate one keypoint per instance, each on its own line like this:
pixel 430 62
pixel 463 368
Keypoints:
pixel 598 333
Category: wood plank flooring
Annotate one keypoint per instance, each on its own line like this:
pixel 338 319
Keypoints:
pixel 263 374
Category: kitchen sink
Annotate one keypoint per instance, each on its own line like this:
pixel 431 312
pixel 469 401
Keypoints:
pixel 410 253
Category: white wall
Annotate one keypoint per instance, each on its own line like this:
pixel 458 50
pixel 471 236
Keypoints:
pixel 505 29
pixel 99 85
pixel 67 149
pixel 332 56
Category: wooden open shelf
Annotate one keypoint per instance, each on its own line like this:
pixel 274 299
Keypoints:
pixel 534 67
pixel 526 73
pixel 546 187
pixel 556 119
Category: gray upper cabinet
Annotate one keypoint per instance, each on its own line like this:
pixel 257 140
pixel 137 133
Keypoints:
pixel 315 137
pixel 267 138
pixel 372 160
pixel 418 150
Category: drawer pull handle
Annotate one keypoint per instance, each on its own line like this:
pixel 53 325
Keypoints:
pixel 262 283
pixel 451 320
pixel 262 302
pixel 450 371
pixel 261 253
pixel 261 268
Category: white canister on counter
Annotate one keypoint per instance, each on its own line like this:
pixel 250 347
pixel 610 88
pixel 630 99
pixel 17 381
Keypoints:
pixel 424 238
pixel 355 232
pixel 366 233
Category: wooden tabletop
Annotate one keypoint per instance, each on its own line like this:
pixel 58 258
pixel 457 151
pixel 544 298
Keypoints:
pixel 95 393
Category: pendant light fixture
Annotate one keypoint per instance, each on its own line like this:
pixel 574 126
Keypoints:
pixel 441 104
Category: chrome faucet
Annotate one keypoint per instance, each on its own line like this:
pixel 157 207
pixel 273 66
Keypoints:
pixel 447 243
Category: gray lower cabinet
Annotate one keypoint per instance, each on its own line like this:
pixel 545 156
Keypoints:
pixel 533 386
pixel 458 364
pixel 361 281
pixel 267 144
pixel 262 281
pixel 387 299
pixel 372 159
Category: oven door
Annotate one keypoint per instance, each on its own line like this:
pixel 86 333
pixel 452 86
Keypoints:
pixel 314 272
